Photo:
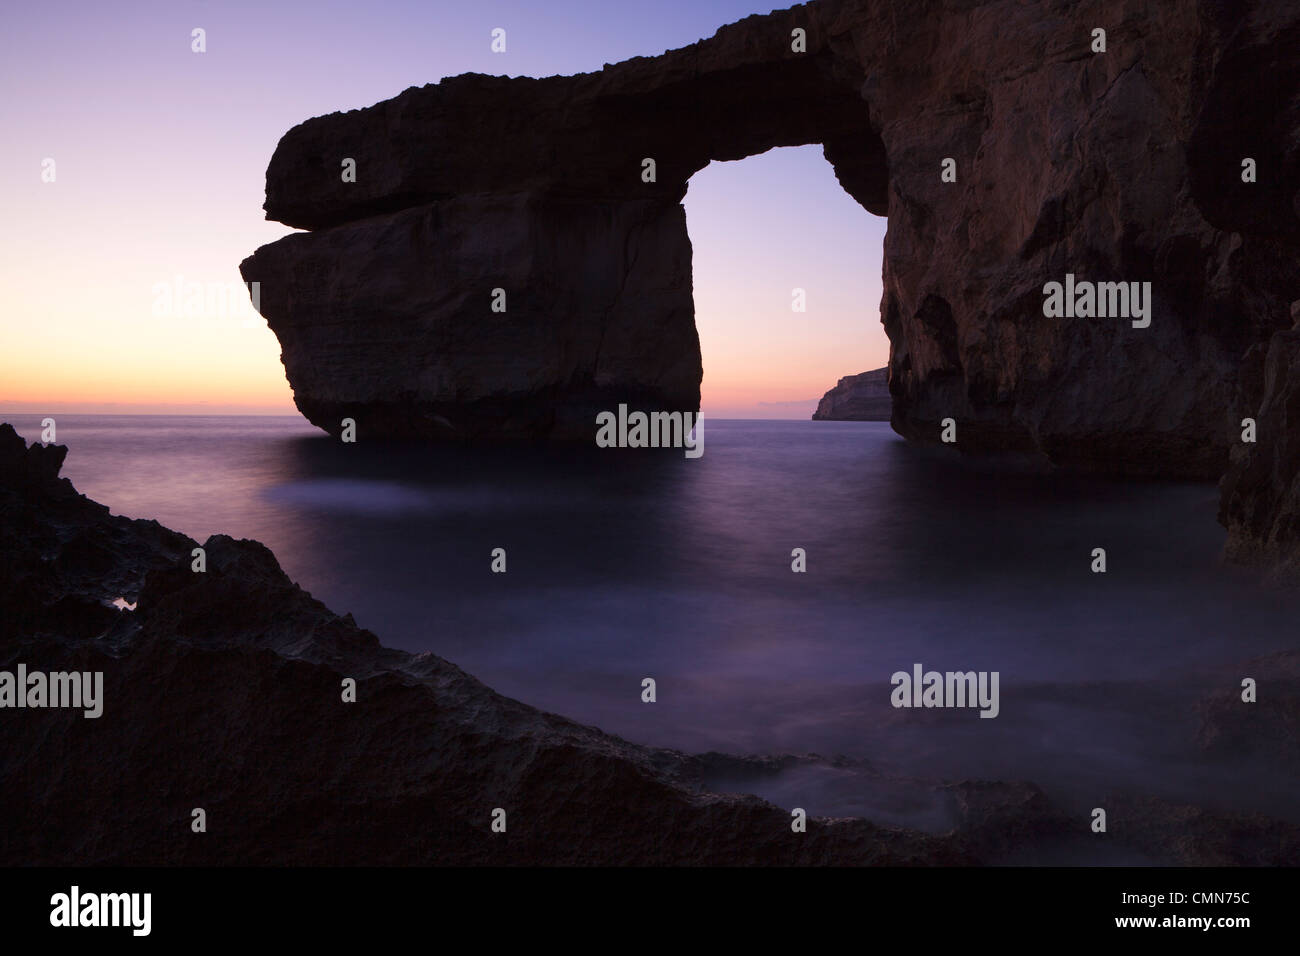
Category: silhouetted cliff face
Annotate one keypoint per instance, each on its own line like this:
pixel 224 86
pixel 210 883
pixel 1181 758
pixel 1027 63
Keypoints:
pixel 1107 166
pixel 390 321
pixel 389 312
pixel 857 398
pixel 1117 166
pixel 1252 109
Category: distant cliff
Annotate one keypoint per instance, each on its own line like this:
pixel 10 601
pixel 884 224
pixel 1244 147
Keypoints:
pixel 857 398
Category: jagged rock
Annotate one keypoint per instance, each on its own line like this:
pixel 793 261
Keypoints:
pixel 1260 493
pixel 534 187
pixel 222 690
pixel 389 321
pixel 857 398
pixel 1123 165
pixel 1268 726
pixel 1194 836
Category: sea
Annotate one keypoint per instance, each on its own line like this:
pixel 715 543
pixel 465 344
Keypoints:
pixel 623 565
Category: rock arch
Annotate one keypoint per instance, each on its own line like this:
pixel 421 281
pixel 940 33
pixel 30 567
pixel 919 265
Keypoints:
pixel 1104 165
pixel 534 187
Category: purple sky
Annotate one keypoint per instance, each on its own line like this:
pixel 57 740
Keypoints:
pixel 159 157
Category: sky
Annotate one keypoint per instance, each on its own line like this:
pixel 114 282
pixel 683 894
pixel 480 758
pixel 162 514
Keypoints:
pixel 158 162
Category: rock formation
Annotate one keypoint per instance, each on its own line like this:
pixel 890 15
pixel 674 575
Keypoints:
pixel 1261 491
pixel 222 691
pixel 1115 158
pixel 537 188
pixel 857 398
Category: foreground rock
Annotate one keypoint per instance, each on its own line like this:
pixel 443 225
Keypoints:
pixel 857 398
pixel 1260 501
pixel 222 691
pixel 1270 727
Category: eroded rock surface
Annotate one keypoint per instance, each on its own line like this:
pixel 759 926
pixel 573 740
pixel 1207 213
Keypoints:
pixel 222 690
pixel 1260 503
pixel 857 398
pixel 390 321
pixel 385 312
pixel 1123 165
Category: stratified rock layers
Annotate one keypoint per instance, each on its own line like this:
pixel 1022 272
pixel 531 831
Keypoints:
pixel 1122 165
pixel 857 398
pixel 413 346
pixel 505 266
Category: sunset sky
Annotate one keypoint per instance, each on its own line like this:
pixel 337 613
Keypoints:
pixel 159 157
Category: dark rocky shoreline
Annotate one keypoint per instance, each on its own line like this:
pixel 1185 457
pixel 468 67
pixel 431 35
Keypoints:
pixel 223 691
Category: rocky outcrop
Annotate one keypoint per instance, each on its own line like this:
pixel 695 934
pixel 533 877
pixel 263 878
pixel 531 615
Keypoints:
pixel 1269 726
pixel 857 398
pixel 1260 503
pixel 1123 165
pixel 390 321
pixel 504 265
pixel 222 690
pixel 1001 165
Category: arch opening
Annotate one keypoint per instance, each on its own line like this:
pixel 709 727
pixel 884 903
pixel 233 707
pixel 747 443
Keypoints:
pixel 786 275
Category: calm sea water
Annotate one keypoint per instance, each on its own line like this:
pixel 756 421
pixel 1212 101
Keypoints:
pixel 624 565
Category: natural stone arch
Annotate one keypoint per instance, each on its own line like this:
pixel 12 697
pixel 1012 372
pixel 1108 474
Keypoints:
pixel 533 187
pixel 1066 161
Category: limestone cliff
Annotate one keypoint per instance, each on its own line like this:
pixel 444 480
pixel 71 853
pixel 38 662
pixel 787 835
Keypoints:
pixel 1009 144
pixel 857 398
